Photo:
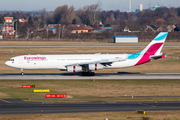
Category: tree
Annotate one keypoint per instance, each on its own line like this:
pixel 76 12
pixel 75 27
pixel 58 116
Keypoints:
pixel 116 15
pixel 81 15
pixel 159 12
pixel 36 19
pixel 172 20
pixel 25 27
pixel 110 18
pixel 159 22
pixel 95 9
pixel 36 22
pixel 145 21
pixel 63 14
pixel 178 11
pixel 107 25
pixel 89 12
pixel 88 22
pixel 50 18
pixel 30 21
pixel 78 20
pixel 134 26
pixel 122 25
pixel 41 25
pixel 74 21
pixel 1 19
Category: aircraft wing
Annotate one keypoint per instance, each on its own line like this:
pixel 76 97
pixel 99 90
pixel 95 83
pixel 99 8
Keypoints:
pixel 103 62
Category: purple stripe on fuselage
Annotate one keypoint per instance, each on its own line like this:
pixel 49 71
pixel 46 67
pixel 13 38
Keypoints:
pixel 151 51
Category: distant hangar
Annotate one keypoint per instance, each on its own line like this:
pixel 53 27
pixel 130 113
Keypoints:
pixel 125 39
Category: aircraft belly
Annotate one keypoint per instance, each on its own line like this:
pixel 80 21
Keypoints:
pixel 124 64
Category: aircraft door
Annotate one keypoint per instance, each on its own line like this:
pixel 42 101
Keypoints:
pixel 21 60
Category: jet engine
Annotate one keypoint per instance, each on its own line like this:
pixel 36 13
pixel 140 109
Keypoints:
pixel 95 66
pixel 74 68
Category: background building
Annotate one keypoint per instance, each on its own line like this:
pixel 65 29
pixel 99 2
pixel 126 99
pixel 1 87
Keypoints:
pixel 125 39
pixel 140 7
pixel 8 27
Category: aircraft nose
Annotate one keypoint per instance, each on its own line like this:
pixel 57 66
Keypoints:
pixel 7 63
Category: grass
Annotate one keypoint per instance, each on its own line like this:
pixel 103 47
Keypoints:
pixel 87 88
pixel 104 100
pixel 74 43
pixel 165 65
pixel 150 115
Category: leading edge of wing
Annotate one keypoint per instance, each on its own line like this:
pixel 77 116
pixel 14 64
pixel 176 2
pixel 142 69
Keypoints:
pixel 94 62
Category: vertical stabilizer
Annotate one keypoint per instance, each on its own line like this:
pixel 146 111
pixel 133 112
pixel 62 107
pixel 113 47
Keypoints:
pixel 153 49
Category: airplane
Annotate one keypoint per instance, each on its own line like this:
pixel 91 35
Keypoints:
pixel 86 63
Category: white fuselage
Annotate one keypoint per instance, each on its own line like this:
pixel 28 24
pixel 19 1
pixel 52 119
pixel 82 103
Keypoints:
pixel 89 62
pixel 61 61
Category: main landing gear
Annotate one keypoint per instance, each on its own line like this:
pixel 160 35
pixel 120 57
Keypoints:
pixel 22 72
pixel 88 73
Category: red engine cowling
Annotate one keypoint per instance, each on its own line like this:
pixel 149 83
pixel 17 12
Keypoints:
pixel 96 66
pixel 74 68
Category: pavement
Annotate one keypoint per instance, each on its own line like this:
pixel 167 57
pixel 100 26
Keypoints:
pixel 16 106
pixel 67 46
pixel 76 76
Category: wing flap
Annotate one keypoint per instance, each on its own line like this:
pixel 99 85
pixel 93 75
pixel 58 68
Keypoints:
pixel 103 62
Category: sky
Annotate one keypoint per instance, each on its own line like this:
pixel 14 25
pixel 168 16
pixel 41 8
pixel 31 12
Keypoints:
pixel 50 5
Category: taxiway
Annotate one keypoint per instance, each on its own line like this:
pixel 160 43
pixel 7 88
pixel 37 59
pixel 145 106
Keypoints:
pixel 44 76
pixel 14 106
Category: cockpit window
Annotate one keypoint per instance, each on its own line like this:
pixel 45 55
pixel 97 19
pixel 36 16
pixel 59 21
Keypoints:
pixel 11 59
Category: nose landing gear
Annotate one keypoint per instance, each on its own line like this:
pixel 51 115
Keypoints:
pixel 22 72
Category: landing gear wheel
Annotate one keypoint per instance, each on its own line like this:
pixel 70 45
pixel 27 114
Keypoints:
pixel 22 73
pixel 83 73
pixel 92 74
pixel 88 73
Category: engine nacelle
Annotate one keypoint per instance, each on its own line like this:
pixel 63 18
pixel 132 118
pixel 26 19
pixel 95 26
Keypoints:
pixel 95 66
pixel 74 68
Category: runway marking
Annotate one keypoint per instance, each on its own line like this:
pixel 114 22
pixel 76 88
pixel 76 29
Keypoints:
pixel 72 105
pixel 146 105
pixel 5 101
